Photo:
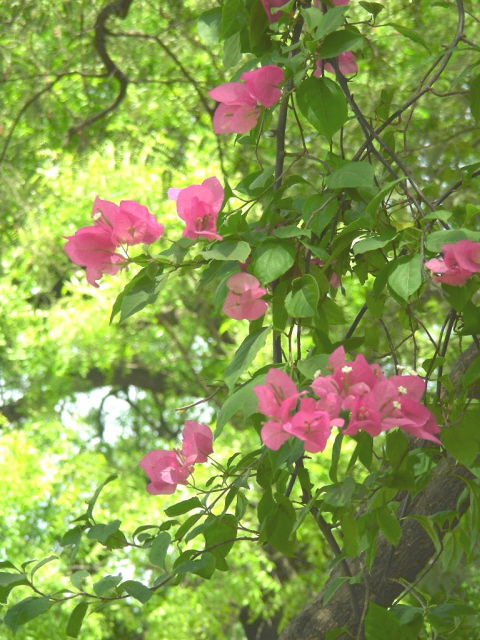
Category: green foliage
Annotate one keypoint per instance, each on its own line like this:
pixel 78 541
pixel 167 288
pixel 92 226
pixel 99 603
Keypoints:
pixel 338 203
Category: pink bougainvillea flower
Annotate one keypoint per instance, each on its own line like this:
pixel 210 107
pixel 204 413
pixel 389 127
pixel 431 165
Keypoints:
pixel 346 64
pixel 273 434
pixel 465 253
pixel 166 470
pixel 268 5
pixel 238 110
pixel 199 205
pixel 263 84
pixel 278 396
pixel 311 425
pixel 242 301
pixel 93 248
pixel 460 261
pixel 197 442
pixel 129 223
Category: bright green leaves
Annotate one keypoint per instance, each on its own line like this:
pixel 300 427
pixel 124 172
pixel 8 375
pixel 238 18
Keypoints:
pixel 322 102
pixel 234 18
pixel 220 536
pixel 26 610
pixel 76 618
pixel 272 259
pixel 352 175
pixel 228 251
pixel 244 356
pixel 278 518
pixel 406 276
pixel 159 549
pixel 302 300
pixel 143 289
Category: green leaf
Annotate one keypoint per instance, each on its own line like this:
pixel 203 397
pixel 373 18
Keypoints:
pixel 340 495
pixel 228 251
pixel 442 616
pixel 374 242
pixel 12 579
pixel 78 577
pixel 332 588
pixel 437 239
pixel 139 292
pixel 223 528
pixel 26 610
pixel 330 21
pixel 204 566
pixel 322 102
pixel 372 7
pixel 208 26
pixel 429 528
pixel 463 440
pixel 159 549
pixel 410 34
pixel 272 259
pixel 76 618
pixel 350 534
pixel 381 624
pixel 291 231
pixel 354 175
pixel 439 214
pixel 243 399
pixel 406 276
pixel 41 564
pixel 302 300
pixel 475 98
pixel 232 51
pixel 396 446
pixel 234 18
pixel 101 532
pixel 94 498
pixel 310 366
pixel 183 507
pixel 372 206
pixel 244 356
pixel 107 584
pixel 338 42
pixel 389 525
pixel 277 526
pixel 137 590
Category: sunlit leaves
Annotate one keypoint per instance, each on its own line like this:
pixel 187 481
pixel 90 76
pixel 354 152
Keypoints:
pixel 323 104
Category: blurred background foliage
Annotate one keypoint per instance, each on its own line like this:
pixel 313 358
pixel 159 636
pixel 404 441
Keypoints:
pixel 80 398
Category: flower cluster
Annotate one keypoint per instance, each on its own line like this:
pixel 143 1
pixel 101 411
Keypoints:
pixel 238 110
pixel 243 298
pixel 375 404
pixel 199 205
pixel 167 469
pixel 459 261
pixel 113 225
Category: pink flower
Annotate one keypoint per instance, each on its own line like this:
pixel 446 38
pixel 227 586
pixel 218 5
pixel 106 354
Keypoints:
pixel 238 110
pixel 199 205
pixel 166 470
pixel 197 442
pixel 278 396
pixel 242 301
pixel 311 425
pixel 93 247
pixel 346 65
pixel 268 5
pixel 273 434
pixel 263 84
pixel 129 223
pixel 460 261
